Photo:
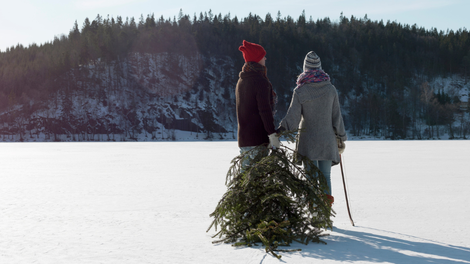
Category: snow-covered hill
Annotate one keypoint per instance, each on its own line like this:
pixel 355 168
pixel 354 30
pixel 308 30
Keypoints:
pixel 169 96
pixel 140 97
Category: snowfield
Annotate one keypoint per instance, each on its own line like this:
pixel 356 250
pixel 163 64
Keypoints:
pixel 150 203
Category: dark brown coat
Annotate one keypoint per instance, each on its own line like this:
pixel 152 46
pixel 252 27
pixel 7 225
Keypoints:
pixel 254 109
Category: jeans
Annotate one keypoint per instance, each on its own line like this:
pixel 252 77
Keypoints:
pixel 325 168
pixel 247 159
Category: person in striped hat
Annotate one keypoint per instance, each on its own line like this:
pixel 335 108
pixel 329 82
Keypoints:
pixel 315 109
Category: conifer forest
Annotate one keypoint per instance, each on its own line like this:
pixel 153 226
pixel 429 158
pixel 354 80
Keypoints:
pixel 115 78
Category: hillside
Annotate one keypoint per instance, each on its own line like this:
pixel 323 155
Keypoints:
pixel 136 98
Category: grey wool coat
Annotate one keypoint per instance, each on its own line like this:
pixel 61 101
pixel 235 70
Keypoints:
pixel 315 107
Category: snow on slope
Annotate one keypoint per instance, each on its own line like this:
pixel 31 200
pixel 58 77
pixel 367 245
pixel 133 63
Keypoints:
pixel 142 96
pixel 150 203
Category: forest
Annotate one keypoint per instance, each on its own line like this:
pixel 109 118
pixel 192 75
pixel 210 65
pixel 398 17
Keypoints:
pixel 384 72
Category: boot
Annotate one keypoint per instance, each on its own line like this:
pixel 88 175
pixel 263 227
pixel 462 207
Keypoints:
pixel 331 199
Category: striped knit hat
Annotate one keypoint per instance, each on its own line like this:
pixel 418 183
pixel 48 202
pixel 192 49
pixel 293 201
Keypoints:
pixel 312 61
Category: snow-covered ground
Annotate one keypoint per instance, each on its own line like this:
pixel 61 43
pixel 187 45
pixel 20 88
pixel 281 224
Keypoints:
pixel 149 202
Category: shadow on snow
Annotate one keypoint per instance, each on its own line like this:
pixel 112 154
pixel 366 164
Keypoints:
pixel 366 245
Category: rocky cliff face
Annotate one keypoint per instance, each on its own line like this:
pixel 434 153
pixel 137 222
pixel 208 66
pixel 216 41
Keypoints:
pixel 140 97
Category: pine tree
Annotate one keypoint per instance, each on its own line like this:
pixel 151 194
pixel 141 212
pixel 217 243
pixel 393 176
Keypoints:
pixel 272 201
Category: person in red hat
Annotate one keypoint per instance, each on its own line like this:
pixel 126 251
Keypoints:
pixel 255 101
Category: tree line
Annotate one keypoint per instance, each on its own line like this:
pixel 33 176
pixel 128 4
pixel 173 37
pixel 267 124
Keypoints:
pixel 382 70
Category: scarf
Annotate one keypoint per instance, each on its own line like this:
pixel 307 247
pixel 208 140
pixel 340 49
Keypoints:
pixel 251 66
pixel 312 76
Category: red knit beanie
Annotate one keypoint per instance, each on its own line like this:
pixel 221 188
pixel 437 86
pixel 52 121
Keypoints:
pixel 252 51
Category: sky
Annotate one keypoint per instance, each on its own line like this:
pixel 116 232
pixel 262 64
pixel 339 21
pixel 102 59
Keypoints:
pixel 39 21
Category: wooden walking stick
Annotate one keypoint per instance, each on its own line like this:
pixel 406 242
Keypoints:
pixel 345 192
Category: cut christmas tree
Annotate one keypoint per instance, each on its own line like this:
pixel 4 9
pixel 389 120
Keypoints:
pixel 272 200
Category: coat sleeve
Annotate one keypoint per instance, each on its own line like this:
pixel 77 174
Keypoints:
pixel 294 114
pixel 263 98
pixel 337 119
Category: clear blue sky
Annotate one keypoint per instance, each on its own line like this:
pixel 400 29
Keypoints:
pixel 38 21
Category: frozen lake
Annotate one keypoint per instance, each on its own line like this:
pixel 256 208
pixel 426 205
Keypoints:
pixel 150 203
